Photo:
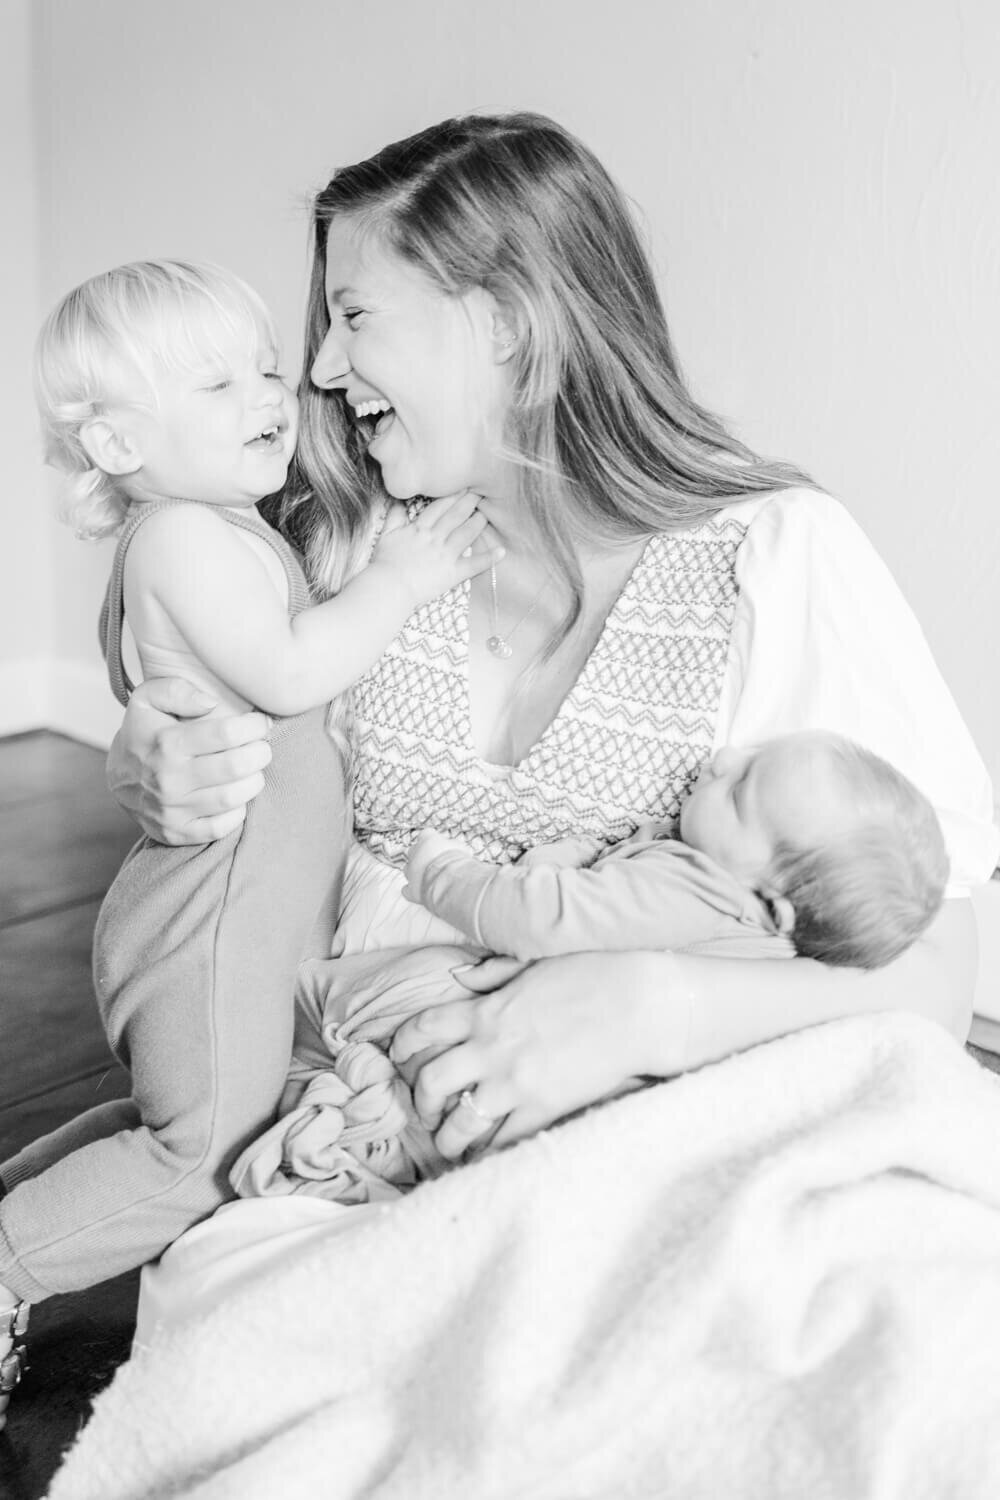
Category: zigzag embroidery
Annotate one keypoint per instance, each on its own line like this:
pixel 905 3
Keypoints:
pixel 624 748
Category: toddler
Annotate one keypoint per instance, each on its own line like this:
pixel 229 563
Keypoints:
pixel 806 844
pixel 160 394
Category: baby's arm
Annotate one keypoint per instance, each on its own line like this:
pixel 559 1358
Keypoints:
pixel 538 910
pixel 216 595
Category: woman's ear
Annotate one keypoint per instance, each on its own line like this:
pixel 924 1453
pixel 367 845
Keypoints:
pixel 504 338
pixel 504 333
pixel 108 447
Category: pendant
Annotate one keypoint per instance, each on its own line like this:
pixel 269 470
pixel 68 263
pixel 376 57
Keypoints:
pixel 497 646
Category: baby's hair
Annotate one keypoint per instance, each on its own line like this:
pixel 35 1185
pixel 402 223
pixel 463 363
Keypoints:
pixel 867 894
pixel 103 346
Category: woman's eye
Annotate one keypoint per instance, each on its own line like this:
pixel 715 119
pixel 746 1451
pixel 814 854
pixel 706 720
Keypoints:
pixel 220 385
pixel 273 375
pixel 352 316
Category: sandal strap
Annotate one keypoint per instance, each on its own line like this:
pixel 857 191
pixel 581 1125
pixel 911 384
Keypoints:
pixel 12 1367
pixel 14 1320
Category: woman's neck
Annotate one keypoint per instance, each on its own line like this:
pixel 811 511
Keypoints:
pixel 512 520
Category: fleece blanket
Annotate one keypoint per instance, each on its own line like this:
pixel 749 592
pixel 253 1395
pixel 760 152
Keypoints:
pixel 777 1277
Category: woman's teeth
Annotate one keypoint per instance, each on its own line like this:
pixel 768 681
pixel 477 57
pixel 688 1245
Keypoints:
pixel 372 408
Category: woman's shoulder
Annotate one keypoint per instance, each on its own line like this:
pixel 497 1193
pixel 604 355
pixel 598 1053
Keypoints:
pixel 798 537
pixel 796 512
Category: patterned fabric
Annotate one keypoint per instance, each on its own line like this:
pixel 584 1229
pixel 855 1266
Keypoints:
pixel 623 749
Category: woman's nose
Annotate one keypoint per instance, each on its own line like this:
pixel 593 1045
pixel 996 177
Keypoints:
pixel 331 365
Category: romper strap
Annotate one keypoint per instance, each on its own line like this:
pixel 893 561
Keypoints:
pixel 112 615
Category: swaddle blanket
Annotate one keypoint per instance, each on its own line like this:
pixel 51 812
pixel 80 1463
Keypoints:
pixel 777 1277
pixel 346 1128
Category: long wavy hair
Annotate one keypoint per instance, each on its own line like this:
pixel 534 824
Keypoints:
pixel 609 440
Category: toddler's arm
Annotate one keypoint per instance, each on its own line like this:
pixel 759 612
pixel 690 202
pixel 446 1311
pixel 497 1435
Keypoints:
pixel 218 597
pixel 650 898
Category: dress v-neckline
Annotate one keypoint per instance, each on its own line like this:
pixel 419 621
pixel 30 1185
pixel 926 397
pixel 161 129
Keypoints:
pixel 501 769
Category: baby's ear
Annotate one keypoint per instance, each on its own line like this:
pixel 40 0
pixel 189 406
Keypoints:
pixel 782 911
pixel 108 447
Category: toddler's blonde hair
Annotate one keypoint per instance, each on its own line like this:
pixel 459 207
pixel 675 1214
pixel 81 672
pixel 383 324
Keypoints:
pixel 104 345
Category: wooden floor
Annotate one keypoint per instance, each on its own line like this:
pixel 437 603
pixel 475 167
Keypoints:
pixel 62 838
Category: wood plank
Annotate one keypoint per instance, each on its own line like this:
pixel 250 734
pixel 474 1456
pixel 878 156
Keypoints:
pixel 59 850
pixel 62 838
pixel 36 1116
pixel 50 1031
pixel 44 764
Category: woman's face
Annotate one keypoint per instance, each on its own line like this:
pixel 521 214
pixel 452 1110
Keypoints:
pixel 432 370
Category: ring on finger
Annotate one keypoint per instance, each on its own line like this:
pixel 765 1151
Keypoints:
pixel 468 1098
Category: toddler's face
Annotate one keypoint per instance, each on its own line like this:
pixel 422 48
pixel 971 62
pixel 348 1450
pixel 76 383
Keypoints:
pixel 746 802
pixel 222 432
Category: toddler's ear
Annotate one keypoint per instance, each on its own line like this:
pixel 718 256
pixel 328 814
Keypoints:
pixel 108 448
pixel 782 911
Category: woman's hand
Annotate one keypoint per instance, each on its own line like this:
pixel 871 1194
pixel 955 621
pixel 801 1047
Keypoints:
pixel 554 1037
pixel 185 778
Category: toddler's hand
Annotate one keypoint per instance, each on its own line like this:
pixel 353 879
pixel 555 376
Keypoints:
pixel 434 553
pixel 426 847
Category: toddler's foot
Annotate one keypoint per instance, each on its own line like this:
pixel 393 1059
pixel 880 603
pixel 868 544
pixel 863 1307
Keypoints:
pixel 13 1360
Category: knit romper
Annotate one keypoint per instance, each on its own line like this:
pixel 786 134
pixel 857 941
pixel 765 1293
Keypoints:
pixel 195 956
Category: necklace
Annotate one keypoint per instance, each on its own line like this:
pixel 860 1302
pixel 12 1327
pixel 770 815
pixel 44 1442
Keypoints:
pixel 497 644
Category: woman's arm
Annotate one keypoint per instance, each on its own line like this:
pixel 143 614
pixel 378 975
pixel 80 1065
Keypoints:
pixel 568 1032
pixel 935 978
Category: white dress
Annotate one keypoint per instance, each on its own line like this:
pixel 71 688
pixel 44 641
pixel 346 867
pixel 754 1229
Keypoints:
pixel 787 620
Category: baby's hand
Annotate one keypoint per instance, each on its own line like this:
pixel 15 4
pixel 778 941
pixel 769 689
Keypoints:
pixel 426 847
pixel 573 853
pixel 434 553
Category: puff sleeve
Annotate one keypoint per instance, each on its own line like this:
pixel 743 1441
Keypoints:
pixel 823 639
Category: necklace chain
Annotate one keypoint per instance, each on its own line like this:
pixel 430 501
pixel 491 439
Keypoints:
pixel 497 644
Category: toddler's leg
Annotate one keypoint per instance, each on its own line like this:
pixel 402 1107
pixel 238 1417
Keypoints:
pixel 97 1123
pixel 199 1004
pixel 208 1056
pixel 104 1120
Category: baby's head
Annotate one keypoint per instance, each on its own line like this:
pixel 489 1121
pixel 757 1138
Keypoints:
pixel 160 379
pixel 844 849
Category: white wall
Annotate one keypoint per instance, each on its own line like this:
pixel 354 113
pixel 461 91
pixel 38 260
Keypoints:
pixel 818 178
pixel 26 613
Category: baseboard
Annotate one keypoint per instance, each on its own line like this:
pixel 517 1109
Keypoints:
pixel 24 696
pixel 71 697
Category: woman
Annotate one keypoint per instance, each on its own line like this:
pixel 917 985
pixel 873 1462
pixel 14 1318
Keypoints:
pixel 482 316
